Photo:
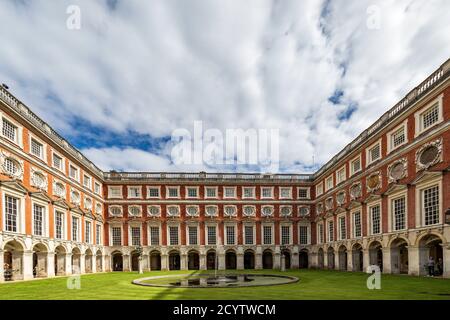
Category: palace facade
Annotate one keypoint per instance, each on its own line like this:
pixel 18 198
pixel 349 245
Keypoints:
pixel 383 200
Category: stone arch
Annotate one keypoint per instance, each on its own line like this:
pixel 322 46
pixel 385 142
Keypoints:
pixel 267 259
pixel 60 260
pixel 211 259
pixel 342 252
pixel 40 255
pixel 320 258
pixel 155 260
pixel 230 259
pixel 399 255
pixel 99 260
pixel 303 259
pixel 286 254
pixel 88 260
pixel 76 260
pixel 174 260
pixel 117 260
pixel 193 260
pixel 249 259
pixel 357 257
pixel 134 256
pixel 376 254
pixel 430 249
pixel 13 259
pixel 330 258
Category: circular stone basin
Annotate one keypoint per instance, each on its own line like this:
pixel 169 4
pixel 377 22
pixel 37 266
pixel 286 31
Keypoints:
pixel 212 281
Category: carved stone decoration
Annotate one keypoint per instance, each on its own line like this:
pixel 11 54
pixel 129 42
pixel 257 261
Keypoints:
pixel 173 211
pixel 329 203
pixel 192 211
pixel 303 211
pixel 267 211
pixel 249 211
pixel 229 211
pixel 211 211
pixel 154 211
pixel 11 165
pixel 355 191
pixel 75 197
pixel 340 198
pixel 59 189
pixel 373 182
pixel 319 208
pixel 285 211
pixel 39 179
pixel 397 170
pixel 429 154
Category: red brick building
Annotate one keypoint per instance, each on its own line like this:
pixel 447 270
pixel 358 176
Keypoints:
pixel 382 201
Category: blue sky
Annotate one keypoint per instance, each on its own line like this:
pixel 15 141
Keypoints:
pixel 319 72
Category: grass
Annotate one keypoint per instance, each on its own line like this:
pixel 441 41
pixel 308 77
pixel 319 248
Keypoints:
pixel 313 284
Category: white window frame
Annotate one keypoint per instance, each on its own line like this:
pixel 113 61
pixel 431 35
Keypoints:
pixel 391 221
pixel 308 192
pixel 64 222
pixel 110 195
pixel 99 235
pixel 19 132
pixel 44 147
pixel 130 234
pixel 188 236
pixel 78 217
pixel 77 179
pixel 419 205
pixel 319 189
pixel 352 223
pixel 248 188
pixel 20 210
pixel 390 136
pixel 129 196
pixel 149 233
pixel 352 171
pixel 186 190
pixel 63 161
pixel 153 187
pixel 369 216
pixel 290 233
pixel 45 218
pixel 91 232
pixel 244 225
pixel 339 233
pixel 216 191
pixel 341 169
pixel 369 161
pixel 168 196
pixel 329 178
pixel 418 116
pixel 224 192
pixel 232 225
pixel 111 234
pixel 207 236
pixel 308 233
pixel 89 185
pixel 169 243
pixel 280 189
pixel 99 187
pixel 272 234
pixel 267 188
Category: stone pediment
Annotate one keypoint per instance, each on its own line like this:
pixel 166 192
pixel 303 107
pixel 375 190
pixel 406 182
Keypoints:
pixel 372 197
pixel 15 185
pixel 426 175
pixel 395 187
pixel 41 195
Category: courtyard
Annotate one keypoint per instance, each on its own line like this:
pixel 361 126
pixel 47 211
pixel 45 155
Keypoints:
pixel 313 284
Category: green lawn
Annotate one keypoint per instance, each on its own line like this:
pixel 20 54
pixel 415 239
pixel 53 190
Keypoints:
pixel 313 284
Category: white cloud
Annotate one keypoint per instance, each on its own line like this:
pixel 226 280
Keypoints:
pixel 154 66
